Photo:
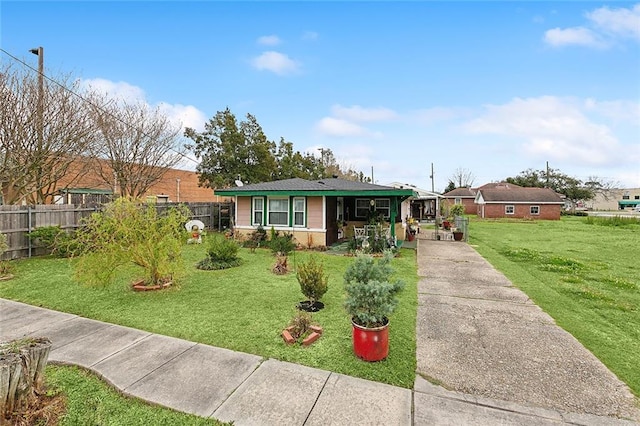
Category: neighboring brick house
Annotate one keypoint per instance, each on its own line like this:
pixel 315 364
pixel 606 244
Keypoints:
pixel 464 196
pixel 505 200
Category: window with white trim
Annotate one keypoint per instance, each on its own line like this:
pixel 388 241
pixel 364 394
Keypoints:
pixel 458 200
pixel 509 209
pixel 299 207
pixel 258 210
pixel 278 211
pixel 383 205
pixel 534 209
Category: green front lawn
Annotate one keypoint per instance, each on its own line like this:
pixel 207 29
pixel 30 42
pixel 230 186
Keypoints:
pixel 243 309
pixel 585 275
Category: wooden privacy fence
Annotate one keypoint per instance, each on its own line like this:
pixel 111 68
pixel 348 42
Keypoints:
pixel 16 222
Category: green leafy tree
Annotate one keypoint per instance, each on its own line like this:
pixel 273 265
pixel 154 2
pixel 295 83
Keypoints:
pixel 450 186
pixel 229 149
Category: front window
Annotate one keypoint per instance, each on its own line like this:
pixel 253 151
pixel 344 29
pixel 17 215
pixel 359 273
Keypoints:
pixel 458 200
pixel 298 211
pixel 534 209
pixel 509 209
pixel 258 210
pixel 383 206
pixel 278 211
pixel 362 207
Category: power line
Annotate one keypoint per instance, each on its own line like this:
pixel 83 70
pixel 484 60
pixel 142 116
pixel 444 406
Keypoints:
pixel 183 155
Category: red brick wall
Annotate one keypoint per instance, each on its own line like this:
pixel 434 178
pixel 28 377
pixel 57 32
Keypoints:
pixel 189 190
pixel 547 211
pixel 468 203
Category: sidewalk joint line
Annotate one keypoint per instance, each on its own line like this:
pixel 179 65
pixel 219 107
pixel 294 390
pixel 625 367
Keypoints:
pixel 317 398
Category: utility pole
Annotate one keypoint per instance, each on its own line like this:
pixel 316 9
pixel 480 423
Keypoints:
pixel 40 107
pixel 432 185
pixel 547 174
pixel 322 160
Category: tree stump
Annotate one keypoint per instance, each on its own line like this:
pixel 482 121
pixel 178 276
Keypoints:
pixel 22 365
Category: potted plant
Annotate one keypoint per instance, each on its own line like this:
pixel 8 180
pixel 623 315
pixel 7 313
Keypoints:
pixel 457 234
pixel 127 232
pixel 371 298
pixel 313 284
pixel 412 228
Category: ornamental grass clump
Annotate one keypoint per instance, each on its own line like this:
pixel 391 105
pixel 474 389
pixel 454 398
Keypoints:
pixel 371 293
pixel 312 279
pixel 222 253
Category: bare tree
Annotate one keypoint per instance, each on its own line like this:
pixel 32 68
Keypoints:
pixel 462 178
pixel 42 132
pixel 138 144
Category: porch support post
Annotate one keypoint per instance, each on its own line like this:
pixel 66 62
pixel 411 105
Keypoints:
pixel 392 216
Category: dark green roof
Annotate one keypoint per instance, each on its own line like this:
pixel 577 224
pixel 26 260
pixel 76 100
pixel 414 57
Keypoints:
pixel 86 191
pixel 330 187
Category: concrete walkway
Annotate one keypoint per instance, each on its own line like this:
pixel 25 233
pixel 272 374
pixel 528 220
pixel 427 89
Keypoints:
pixel 471 322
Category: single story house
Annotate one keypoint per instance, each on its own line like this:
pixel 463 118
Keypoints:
pixel 506 200
pixel 465 196
pixel 317 212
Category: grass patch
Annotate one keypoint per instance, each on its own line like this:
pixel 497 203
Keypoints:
pixel 90 401
pixel 584 276
pixel 623 221
pixel 243 308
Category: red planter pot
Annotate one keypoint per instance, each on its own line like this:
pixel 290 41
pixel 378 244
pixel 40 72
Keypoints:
pixel 371 344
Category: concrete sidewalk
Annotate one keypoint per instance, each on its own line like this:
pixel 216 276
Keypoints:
pixel 461 325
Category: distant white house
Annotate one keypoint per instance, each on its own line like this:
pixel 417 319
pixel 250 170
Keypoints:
pixel 422 207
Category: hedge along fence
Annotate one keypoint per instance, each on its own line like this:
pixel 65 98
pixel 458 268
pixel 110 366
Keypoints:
pixel 16 222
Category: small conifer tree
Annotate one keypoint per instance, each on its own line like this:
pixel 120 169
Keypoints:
pixel 313 281
pixel 371 295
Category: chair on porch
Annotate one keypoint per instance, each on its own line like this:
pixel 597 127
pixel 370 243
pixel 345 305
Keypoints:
pixel 360 233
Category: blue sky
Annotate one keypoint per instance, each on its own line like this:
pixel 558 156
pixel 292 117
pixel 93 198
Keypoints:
pixel 493 88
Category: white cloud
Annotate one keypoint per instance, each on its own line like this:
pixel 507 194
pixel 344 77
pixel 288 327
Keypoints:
pixel 276 62
pixel 178 114
pixel 332 126
pixel 184 115
pixel 551 128
pixel 620 111
pixel 269 40
pixel 577 35
pixel 360 114
pixel 116 90
pixel 622 22
pixel 603 28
